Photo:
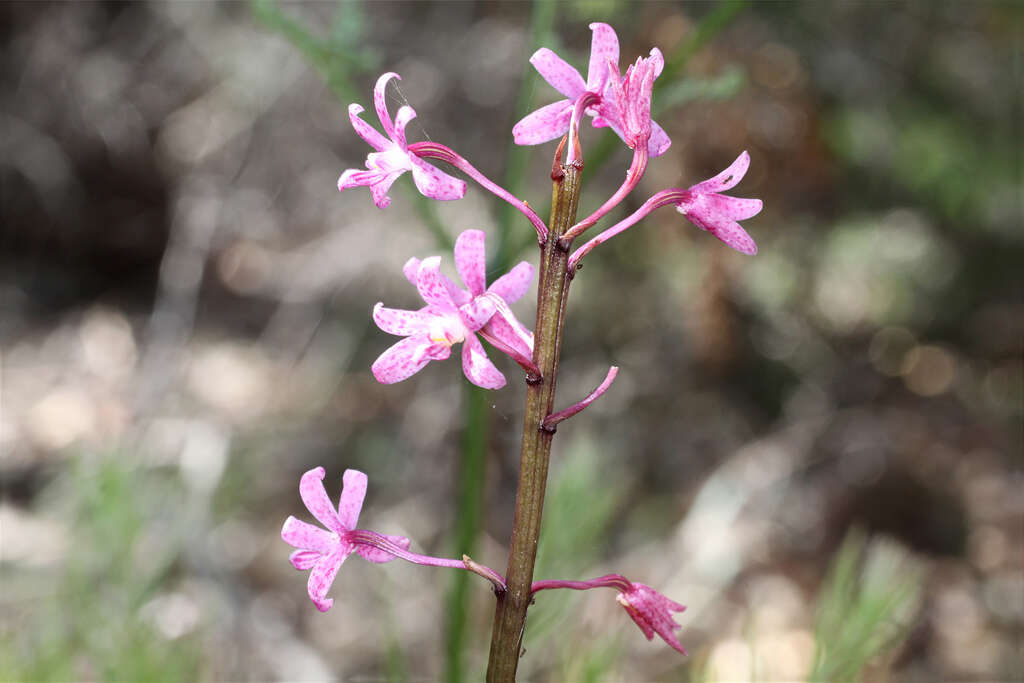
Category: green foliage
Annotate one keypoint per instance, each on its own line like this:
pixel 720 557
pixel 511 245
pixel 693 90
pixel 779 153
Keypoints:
pixel 864 607
pixel 123 546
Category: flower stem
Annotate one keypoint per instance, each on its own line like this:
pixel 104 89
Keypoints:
pixel 510 613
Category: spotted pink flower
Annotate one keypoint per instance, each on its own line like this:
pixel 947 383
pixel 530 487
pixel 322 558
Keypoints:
pixel 321 551
pixel 393 157
pixel 652 612
pixel 453 315
pixel 717 213
pixel 552 121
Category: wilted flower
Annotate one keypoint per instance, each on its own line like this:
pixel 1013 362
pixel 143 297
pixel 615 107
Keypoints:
pixel 652 612
pixel 323 550
pixel 453 315
pixel 552 121
pixel 393 157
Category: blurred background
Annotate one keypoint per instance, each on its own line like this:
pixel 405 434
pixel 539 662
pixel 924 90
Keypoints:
pixel 818 449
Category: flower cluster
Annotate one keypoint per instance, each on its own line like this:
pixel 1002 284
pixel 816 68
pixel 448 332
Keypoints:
pixel 472 311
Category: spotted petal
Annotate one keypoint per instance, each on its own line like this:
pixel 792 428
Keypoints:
pixel 311 489
pixel 512 285
pixel 547 123
pixel 477 367
pixel 562 77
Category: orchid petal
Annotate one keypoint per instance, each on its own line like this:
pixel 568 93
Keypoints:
pixel 353 491
pixel 379 190
pixel 659 142
pixel 380 102
pixel 304 559
pixel 510 332
pixel 322 576
pixel 402 118
pixel 558 73
pixel 431 284
pixel 305 536
pixel 604 46
pixel 727 179
pixel 364 130
pixel 477 367
pixel 434 183
pixel 368 552
pixel 404 359
pixel 476 313
pixel 397 321
pixel 512 285
pixel 411 269
pixel 314 495
pixel 470 260
pixel 732 208
pixel 547 123
pixel 652 612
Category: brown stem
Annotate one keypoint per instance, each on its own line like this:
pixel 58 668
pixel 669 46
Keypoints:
pixel 510 613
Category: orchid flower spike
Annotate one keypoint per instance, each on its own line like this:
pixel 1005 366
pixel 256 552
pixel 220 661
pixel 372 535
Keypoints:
pixel 323 550
pixel 453 315
pixel 552 121
pixel 717 213
pixel 652 612
pixel 393 157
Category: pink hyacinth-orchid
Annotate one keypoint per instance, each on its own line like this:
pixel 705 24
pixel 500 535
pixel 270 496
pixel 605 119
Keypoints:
pixel 599 92
pixel 453 315
pixel 322 551
pixel 393 157
pixel 652 612
pixel 717 213
pixel 703 204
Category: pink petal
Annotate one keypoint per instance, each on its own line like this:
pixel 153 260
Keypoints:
pixel 397 321
pixel 304 559
pixel 379 190
pixel 476 313
pixel 470 260
pixel 403 359
pixel 410 269
pixel 547 123
pixel 733 208
pixel 314 495
pixel 604 46
pixel 380 102
pixel 734 236
pixel 402 118
pixel 372 554
pixel 659 142
pixel 322 576
pixel 512 285
pixel 477 367
pixel 727 179
pixel 434 183
pixel 365 130
pixel 558 73
pixel 657 60
pixel 353 490
pixel 304 536
pixel 510 332
pixel 432 285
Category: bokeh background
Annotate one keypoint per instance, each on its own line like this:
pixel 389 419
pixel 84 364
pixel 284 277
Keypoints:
pixel 818 449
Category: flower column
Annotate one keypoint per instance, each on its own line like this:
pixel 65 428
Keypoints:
pixel 510 613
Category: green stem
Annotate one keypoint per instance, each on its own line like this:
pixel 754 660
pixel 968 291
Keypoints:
pixel 510 613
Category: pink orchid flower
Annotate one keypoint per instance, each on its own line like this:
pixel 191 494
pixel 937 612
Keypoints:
pixel 717 213
pixel 393 157
pixel 652 612
pixel 552 121
pixel 323 550
pixel 453 315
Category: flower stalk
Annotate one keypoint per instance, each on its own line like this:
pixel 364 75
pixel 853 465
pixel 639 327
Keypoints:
pixel 510 612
